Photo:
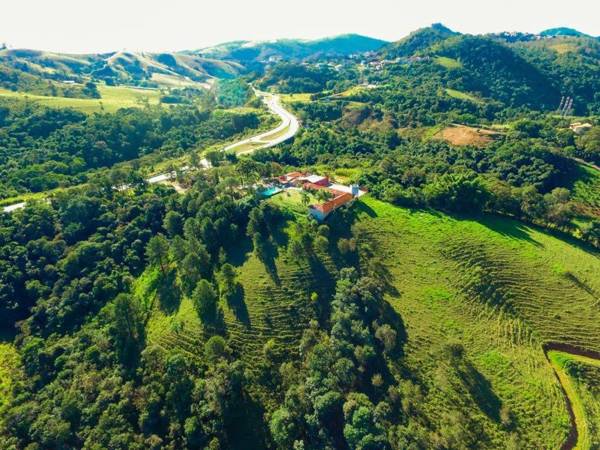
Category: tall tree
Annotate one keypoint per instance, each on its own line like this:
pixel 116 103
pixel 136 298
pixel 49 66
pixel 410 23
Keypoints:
pixel 157 251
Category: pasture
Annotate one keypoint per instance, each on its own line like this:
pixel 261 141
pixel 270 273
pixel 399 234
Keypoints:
pixel 113 98
pixel 499 288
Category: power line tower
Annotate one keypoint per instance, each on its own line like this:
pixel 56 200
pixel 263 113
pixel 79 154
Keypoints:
pixel 560 106
pixel 569 108
pixel 566 106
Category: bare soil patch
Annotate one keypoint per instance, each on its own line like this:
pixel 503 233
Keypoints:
pixel 464 135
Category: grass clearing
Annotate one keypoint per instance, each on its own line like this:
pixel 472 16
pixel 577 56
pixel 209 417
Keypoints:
pixel 587 188
pixel 460 95
pixel 292 98
pixel 113 98
pixel 580 377
pixel 448 63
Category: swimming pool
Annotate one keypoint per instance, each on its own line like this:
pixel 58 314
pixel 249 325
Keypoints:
pixel 270 191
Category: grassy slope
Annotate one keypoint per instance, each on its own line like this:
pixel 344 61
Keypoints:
pixel 501 289
pixel 587 188
pixel 584 392
pixel 113 98
pixel 276 305
pixel 9 373
pixel 463 96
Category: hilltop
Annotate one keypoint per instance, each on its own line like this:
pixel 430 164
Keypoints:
pixel 248 52
pixel 118 67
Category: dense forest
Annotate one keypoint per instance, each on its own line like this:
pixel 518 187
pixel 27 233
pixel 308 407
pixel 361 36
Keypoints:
pixel 43 148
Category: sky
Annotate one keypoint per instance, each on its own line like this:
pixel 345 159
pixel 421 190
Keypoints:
pixel 81 26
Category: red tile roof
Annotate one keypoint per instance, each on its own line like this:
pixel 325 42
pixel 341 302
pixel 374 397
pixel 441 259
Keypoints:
pixel 334 203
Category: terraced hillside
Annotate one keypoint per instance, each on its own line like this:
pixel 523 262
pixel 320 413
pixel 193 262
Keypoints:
pixel 499 288
pixel 276 305
pixel 587 188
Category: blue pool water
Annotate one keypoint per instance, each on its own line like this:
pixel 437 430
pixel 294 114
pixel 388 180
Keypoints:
pixel 270 192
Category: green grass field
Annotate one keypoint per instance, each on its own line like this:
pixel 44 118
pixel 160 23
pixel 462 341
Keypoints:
pixel 291 98
pixel 587 188
pixel 501 289
pixel 113 98
pixel 460 95
pixel 9 373
pixel 448 63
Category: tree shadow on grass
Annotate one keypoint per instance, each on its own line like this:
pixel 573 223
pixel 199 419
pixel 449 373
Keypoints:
pixel 168 292
pixel 237 304
pixel 362 207
pixel 480 390
pixel 391 316
pixel 268 257
pixel 236 252
pixel 506 227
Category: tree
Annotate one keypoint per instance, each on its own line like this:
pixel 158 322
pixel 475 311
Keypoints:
pixel 128 329
pixel 387 336
pixel 305 197
pixel 173 223
pixel 215 348
pixel 204 299
pixel 157 252
pixel 192 268
pixel 283 428
pixel 227 284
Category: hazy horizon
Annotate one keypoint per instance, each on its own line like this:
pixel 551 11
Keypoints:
pixel 154 26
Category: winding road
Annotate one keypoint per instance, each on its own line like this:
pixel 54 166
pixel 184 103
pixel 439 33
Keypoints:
pixel 287 129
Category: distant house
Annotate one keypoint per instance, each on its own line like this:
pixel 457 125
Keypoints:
pixel 320 212
pixel 316 180
pixel 341 195
pixel 580 128
pixel 291 177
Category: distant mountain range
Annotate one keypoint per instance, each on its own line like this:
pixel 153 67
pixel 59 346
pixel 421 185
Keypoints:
pixel 520 56
pixel 252 52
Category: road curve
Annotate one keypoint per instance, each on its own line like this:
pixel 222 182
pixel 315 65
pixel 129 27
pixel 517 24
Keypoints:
pixel 289 122
pixel 273 137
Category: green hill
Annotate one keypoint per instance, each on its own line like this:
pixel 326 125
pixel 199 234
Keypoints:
pixel 562 31
pixel 248 52
pixel 498 287
pixel 501 289
pixel 419 40
pixel 140 68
